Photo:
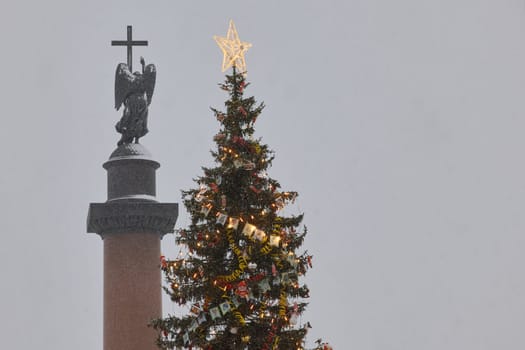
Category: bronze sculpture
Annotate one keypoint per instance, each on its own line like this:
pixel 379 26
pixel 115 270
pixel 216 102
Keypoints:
pixel 134 91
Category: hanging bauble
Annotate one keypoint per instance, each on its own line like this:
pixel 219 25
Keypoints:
pixel 242 289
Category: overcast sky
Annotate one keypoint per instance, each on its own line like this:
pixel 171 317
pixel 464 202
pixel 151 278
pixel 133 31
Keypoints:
pixel 400 123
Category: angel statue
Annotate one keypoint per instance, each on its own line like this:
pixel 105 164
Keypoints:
pixel 134 91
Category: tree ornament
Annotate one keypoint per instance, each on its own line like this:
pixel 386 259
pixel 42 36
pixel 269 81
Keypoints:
pixel 260 235
pixel 221 219
pixel 279 203
pixel 237 163
pixel 249 230
pixel 225 307
pixel 243 111
pixel 233 49
pixel 200 195
pixel 239 140
pixel 163 262
pixel 293 319
pixel 274 240
pixel 186 338
pixel 215 313
pixel 195 309
pixel 246 339
pixel 233 223
pixel 274 270
pixel 242 289
pixel 242 85
pixel 206 209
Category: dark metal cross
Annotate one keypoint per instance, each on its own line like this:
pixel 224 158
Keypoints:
pixel 129 43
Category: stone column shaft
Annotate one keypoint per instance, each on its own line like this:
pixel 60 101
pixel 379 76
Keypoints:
pixel 132 294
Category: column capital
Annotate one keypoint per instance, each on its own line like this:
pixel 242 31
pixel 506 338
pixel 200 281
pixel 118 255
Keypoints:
pixel 137 217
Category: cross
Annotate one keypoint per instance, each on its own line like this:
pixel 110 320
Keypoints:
pixel 129 43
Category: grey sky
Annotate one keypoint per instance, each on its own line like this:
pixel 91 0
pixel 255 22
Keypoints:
pixel 399 123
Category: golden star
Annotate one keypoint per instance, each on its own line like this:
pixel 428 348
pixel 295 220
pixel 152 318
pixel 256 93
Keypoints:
pixel 233 49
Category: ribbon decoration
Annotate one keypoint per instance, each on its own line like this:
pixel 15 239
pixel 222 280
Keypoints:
pixel 242 261
pixel 276 343
pixel 239 317
pixel 283 304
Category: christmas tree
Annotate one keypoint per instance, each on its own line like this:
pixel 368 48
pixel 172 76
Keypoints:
pixel 240 274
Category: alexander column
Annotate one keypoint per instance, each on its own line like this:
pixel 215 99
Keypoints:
pixel 131 222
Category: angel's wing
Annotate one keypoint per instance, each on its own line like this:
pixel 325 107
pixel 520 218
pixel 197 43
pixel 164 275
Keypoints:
pixel 123 83
pixel 149 76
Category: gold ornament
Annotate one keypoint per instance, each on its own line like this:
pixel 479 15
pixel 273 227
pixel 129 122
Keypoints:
pixel 274 240
pixel 245 338
pixel 233 49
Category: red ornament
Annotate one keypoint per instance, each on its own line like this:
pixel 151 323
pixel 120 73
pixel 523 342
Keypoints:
pixel 214 187
pixel 242 85
pixel 163 262
pixel 239 140
pixel 257 277
pixel 242 289
pixel 243 111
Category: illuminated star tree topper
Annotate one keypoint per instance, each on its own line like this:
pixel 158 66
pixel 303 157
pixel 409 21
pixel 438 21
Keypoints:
pixel 233 49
